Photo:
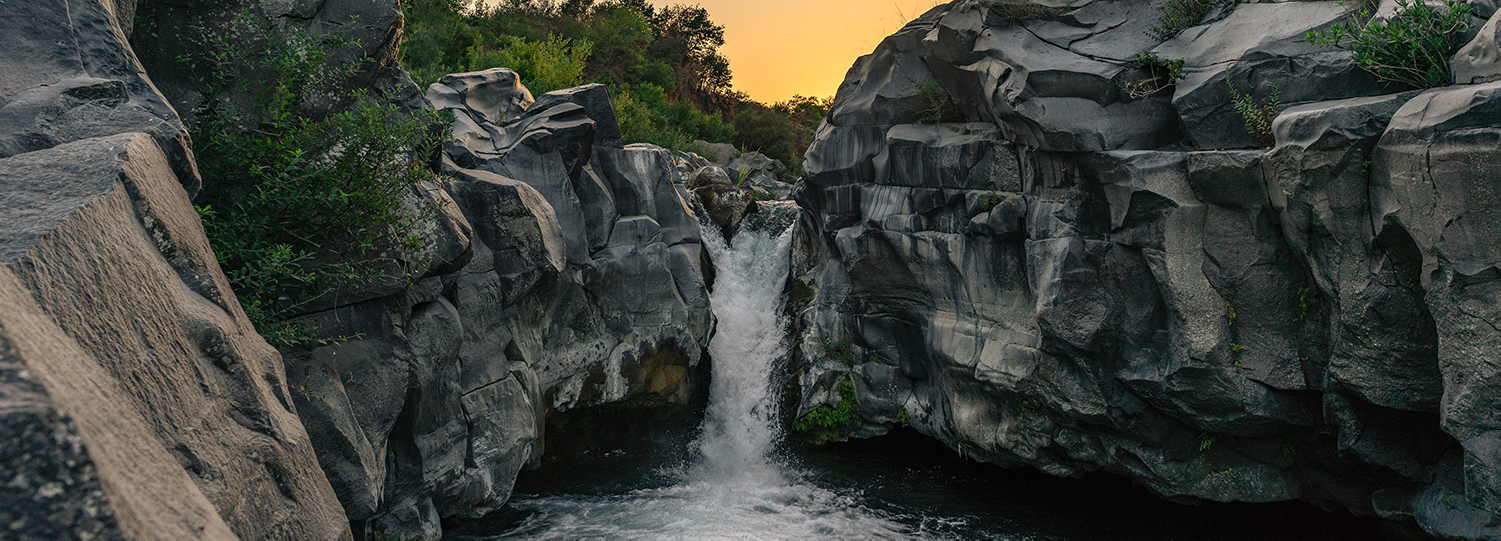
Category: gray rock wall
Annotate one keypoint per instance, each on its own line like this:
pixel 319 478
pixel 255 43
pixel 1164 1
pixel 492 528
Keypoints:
pixel 1077 280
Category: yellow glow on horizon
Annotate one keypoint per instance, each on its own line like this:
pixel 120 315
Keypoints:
pixel 778 48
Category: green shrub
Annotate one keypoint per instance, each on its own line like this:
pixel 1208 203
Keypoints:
pixel 546 65
pixel 297 206
pixel 1413 47
pixel 1179 15
pixel 829 423
pixel 1257 114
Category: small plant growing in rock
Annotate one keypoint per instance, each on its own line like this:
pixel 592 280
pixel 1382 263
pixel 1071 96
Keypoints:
pixel 1230 314
pixel 1178 15
pixel 1307 302
pixel 1257 114
pixel 829 423
pixel 989 201
pixel 1206 441
pixel 1412 47
pixel 1164 73
pixel 1237 349
pixel 841 352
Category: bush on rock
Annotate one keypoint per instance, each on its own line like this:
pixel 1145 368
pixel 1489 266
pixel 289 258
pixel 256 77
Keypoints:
pixel 1412 47
pixel 297 206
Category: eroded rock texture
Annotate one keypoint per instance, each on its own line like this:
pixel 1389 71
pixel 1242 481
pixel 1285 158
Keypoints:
pixel 1060 275
pixel 137 400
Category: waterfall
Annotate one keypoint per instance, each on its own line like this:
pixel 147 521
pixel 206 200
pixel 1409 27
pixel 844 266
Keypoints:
pixel 740 426
pixel 736 485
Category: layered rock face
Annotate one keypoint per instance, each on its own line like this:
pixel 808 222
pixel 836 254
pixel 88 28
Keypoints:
pixel 137 400
pixel 1065 275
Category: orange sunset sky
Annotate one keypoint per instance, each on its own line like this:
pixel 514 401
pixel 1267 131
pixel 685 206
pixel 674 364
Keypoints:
pixel 778 48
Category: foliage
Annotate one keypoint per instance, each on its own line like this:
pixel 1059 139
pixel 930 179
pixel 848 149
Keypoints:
pixel 551 64
pixel 1258 114
pixel 1412 47
pixel 1178 15
pixel 840 352
pixel 670 84
pixel 295 206
pixel 783 130
pixel 1205 441
pixel 1163 74
pixel 828 423
pixel 647 116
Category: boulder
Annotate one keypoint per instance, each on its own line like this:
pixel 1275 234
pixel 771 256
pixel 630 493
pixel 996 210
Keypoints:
pixel 70 76
pixel 1479 61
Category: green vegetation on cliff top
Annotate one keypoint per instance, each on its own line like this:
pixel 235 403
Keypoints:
pixel 667 79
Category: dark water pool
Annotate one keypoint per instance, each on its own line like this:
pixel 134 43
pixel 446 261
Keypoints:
pixel 903 485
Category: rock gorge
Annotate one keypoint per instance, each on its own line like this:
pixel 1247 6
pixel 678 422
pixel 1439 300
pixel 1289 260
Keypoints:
pixel 996 244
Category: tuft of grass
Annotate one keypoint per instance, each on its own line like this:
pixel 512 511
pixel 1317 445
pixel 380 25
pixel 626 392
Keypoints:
pixel 829 423
pixel 932 104
pixel 1163 74
pixel 1206 441
pixel 1257 114
pixel 1179 15
pixel 1006 14
pixel 1413 47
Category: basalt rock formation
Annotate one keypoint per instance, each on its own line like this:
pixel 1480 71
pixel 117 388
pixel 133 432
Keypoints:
pixel 1023 259
pixel 137 400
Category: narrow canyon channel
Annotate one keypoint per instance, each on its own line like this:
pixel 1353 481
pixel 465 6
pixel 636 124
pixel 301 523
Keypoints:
pixel 737 476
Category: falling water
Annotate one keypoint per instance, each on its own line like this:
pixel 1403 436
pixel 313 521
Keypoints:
pixel 737 486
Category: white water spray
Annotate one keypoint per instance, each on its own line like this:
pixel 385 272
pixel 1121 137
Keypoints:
pixel 740 426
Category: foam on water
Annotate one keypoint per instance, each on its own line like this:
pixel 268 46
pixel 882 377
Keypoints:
pixel 736 487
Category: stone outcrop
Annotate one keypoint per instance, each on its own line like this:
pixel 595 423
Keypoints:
pixel 138 401
pixel 574 278
pixel 1063 276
